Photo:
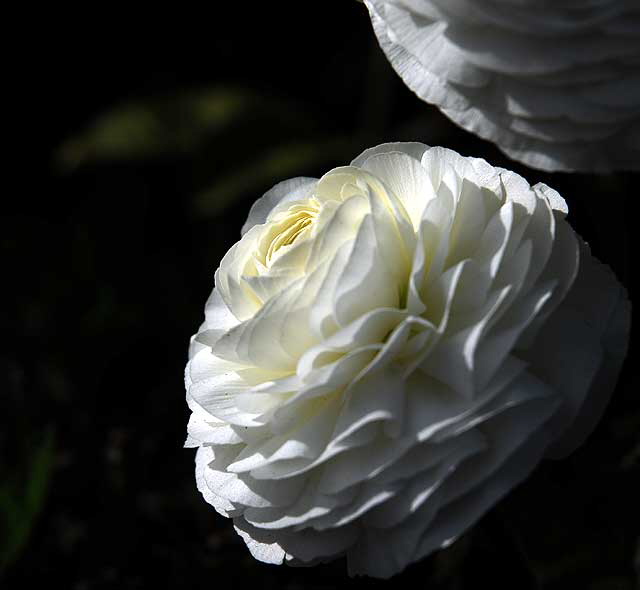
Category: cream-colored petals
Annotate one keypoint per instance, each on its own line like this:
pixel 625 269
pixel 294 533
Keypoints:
pixel 297 234
pixel 389 350
pixel 555 87
pixel 294 189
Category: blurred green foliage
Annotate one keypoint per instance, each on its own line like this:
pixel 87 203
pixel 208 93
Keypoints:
pixel 163 127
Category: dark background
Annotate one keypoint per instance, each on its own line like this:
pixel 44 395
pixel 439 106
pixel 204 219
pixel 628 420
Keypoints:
pixel 135 150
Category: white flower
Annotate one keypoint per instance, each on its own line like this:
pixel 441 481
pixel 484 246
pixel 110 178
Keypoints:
pixel 388 350
pixel 555 85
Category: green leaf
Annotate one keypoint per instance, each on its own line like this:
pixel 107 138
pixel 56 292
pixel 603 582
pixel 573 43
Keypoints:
pixel 21 501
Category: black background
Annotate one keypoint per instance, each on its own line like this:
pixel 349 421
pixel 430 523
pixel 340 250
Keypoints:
pixel 108 257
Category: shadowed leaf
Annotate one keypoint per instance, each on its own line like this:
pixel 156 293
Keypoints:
pixel 255 177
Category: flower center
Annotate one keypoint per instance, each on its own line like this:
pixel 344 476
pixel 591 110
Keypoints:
pixel 289 227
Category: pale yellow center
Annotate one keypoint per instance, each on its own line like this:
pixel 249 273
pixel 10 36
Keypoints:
pixel 289 226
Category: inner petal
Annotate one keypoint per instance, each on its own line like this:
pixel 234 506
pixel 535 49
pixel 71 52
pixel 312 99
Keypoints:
pixel 289 226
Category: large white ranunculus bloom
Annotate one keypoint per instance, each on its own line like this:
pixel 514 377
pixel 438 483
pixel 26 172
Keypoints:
pixel 554 83
pixel 391 348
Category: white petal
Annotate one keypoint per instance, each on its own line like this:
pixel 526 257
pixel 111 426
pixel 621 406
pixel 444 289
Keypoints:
pixel 406 178
pixel 266 550
pixel 413 149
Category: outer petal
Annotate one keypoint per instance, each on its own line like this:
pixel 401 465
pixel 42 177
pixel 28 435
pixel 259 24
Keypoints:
pixel 593 324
